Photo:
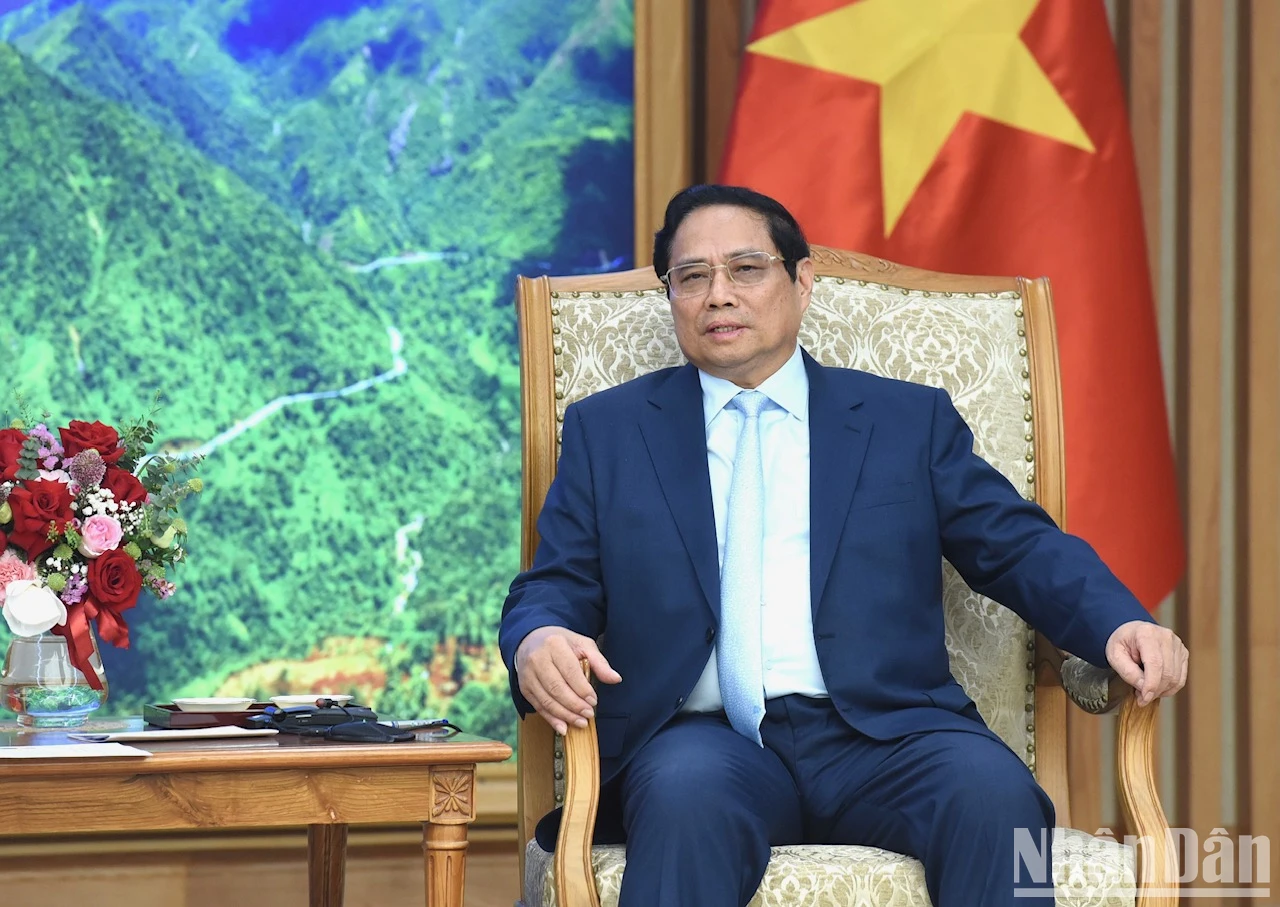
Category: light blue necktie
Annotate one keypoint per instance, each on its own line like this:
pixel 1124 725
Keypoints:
pixel 738 659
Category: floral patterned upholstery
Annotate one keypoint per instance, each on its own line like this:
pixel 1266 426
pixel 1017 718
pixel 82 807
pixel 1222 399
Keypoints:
pixel 1088 872
pixel 974 346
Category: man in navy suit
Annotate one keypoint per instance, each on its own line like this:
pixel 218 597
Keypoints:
pixel 756 542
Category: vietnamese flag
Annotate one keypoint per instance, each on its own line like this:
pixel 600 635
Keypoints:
pixel 986 137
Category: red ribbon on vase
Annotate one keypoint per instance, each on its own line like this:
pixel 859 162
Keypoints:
pixel 79 634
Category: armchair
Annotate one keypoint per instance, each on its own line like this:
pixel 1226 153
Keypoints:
pixel 990 342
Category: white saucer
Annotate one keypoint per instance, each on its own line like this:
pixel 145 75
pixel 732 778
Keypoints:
pixel 290 702
pixel 214 704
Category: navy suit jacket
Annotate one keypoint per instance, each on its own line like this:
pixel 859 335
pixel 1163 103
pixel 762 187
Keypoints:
pixel 628 552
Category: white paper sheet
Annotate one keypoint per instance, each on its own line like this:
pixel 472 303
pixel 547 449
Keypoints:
pixel 71 751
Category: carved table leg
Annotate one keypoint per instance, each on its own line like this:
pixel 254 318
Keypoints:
pixel 327 864
pixel 445 848
pixel 444 837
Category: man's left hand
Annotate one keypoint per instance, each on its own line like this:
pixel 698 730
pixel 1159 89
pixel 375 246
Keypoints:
pixel 1148 657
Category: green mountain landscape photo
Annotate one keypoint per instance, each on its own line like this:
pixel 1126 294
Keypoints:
pixel 302 228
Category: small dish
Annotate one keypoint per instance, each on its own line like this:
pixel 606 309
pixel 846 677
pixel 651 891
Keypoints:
pixel 214 704
pixel 291 702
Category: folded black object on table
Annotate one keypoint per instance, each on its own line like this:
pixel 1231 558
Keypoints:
pixel 332 721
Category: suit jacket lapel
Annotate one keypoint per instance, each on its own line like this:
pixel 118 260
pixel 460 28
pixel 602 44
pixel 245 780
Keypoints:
pixel 675 434
pixel 838 435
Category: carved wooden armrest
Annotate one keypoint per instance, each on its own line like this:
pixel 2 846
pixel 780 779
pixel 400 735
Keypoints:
pixel 1096 690
pixel 575 882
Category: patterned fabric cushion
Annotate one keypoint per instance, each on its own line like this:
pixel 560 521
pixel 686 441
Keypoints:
pixel 973 345
pixel 1088 872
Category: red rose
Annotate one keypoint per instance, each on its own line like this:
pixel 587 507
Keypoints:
pixel 35 505
pixel 10 446
pixel 81 436
pixel 124 486
pixel 114 580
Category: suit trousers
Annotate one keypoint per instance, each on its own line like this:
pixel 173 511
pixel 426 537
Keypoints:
pixel 699 806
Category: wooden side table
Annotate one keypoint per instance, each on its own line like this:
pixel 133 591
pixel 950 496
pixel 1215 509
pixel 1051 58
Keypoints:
pixel 278 781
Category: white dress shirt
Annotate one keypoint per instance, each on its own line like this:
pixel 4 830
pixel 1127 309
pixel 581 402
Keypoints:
pixel 786 622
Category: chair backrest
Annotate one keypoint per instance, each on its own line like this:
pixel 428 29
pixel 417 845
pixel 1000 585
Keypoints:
pixel 989 341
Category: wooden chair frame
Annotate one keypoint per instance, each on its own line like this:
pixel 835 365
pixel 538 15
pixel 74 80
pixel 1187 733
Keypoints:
pixel 1058 678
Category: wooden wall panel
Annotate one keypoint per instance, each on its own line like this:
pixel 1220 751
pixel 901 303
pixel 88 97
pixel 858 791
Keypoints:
pixel 1258 367
pixel 664 104
pixel 1139 36
pixel 1199 394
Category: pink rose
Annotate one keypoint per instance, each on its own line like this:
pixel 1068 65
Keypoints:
pixel 99 534
pixel 12 568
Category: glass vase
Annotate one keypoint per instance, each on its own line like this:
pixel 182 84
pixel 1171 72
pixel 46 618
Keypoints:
pixel 43 687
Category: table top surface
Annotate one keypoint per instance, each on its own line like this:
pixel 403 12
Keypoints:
pixel 281 751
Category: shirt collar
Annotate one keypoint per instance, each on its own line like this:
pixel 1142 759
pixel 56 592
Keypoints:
pixel 788 388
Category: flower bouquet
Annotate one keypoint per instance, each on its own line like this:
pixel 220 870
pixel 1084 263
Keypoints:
pixel 87 521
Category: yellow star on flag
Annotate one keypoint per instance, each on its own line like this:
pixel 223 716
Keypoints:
pixel 934 60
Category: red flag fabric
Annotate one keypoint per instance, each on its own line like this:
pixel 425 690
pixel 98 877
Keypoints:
pixel 986 137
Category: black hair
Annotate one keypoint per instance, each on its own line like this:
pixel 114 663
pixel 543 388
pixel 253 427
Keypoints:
pixel 783 228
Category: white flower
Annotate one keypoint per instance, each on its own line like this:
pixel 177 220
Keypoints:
pixel 31 607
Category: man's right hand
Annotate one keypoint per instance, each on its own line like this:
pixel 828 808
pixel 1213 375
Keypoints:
pixel 551 678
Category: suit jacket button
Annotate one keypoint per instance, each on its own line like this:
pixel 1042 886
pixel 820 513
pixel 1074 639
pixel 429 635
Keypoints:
pixel 680 702
pixel 711 634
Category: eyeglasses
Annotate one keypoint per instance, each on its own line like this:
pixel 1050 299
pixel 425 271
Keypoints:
pixel 692 281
